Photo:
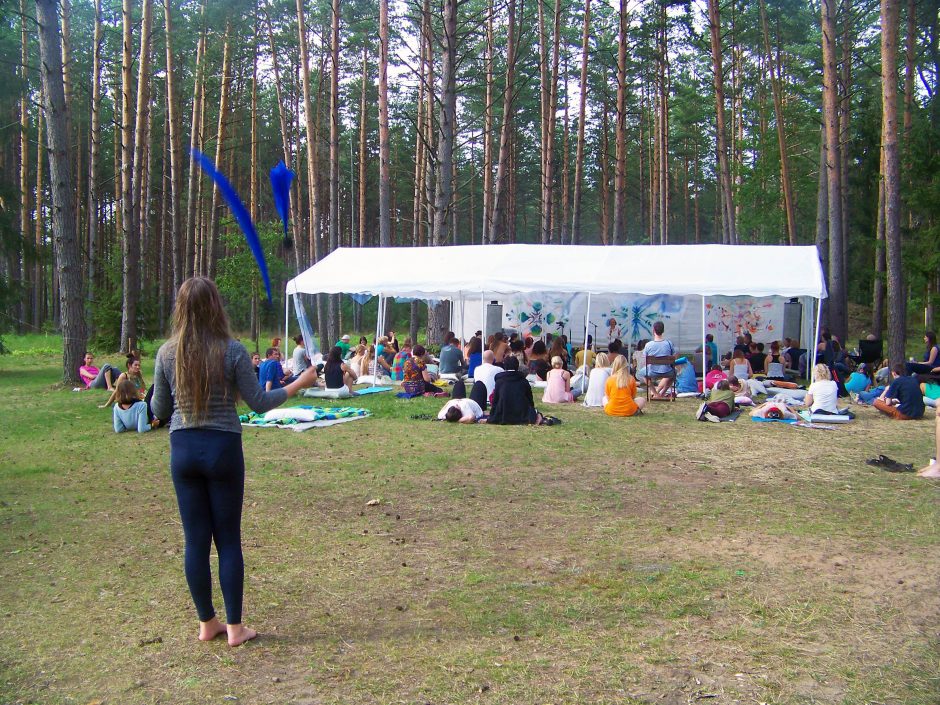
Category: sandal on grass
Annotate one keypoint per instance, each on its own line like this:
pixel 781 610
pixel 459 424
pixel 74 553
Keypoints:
pixel 889 465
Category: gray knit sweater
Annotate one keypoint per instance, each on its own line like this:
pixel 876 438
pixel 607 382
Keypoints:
pixel 240 380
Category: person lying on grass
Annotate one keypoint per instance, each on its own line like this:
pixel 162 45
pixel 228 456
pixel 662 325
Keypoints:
pixel 461 411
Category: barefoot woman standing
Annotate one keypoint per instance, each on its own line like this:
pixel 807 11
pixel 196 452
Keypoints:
pixel 200 373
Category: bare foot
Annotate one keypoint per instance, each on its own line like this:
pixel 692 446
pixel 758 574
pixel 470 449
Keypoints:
pixel 211 629
pixel 931 471
pixel 238 634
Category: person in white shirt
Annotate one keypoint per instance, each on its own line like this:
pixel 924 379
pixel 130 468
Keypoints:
pixel 823 392
pixel 460 411
pixel 486 372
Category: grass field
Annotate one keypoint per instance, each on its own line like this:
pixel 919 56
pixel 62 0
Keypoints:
pixel 649 560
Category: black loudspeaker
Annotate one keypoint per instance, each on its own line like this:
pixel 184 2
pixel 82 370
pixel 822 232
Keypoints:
pixel 494 317
pixel 792 319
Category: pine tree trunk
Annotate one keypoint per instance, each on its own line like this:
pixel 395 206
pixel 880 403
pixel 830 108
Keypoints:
pixel 385 217
pixel 130 249
pixel 332 322
pixel 488 127
pixel 211 248
pixel 605 176
pixel 23 309
pixel 142 146
pixel 296 229
pixel 94 240
pixel 363 115
pixel 620 130
pixel 582 111
pixel 39 275
pixel 65 235
pixel 446 127
pixel 890 14
pixel 878 293
pixel 190 260
pixel 837 291
pixel 176 165
pixel 729 231
pixel 774 68
pixel 502 191
pixel 822 218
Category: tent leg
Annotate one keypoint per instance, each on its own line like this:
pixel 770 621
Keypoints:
pixel 704 347
pixel 286 318
pixel 809 372
pixel 483 324
pixel 587 318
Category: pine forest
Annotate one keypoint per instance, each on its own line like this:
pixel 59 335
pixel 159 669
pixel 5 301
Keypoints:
pixel 432 123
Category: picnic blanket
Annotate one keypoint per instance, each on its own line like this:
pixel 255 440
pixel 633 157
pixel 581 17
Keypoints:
pixel 301 418
pixel 796 423
pixel 372 390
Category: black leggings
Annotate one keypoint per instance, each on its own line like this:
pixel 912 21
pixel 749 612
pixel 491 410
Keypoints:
pixel 208 471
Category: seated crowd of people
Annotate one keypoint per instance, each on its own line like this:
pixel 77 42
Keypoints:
pixel 505 370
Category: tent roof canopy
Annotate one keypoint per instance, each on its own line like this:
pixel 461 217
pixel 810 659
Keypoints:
pixel 493 270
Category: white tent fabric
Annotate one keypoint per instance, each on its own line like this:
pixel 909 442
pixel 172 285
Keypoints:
pixel 461 271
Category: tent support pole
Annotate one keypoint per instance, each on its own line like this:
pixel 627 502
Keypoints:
pixel 378 334
pixel 587 318
pixel 483 325
pixel 809 373
pixel 704 346
pixel 286 317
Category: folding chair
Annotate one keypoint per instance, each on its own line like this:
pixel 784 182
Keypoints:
pixel 653 377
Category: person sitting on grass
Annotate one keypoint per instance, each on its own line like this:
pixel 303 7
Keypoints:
pixel 686 382
pixel 620 390
pixel 130 412
pixel 597 381
pixel 270 373
pixel 95 378
pixel 417 380
pixel 133 374
pixel 512 402
pixel 461 411
pixel 720 402
pixel 336 373
pixel 902 400
pixel 375 364
pixel 558 390
pixel 539 364
pixel 714 376
pixel 451 357
pixel 398 362
pixel 823 393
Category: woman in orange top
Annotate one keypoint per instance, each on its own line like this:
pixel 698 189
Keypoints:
pixel 621 391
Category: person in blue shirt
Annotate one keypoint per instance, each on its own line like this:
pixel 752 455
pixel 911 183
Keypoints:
pixel 712 351
pixel 270 373
pixel 685 377
pixel 902 400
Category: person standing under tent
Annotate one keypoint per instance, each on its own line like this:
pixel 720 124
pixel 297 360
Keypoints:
pixel 200 373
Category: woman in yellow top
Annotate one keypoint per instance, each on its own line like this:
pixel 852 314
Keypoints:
pixel 621 391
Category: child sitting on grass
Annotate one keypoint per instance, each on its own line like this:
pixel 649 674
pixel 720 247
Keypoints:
pixel 719 405
pixel 130 412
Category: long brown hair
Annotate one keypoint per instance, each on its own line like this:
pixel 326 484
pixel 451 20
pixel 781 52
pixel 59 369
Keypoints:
pixel 200 337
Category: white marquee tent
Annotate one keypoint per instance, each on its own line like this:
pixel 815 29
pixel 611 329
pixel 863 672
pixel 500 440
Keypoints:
pixel 479 272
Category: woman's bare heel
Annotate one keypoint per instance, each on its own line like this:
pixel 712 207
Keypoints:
pixel 238 634
pixel 211 629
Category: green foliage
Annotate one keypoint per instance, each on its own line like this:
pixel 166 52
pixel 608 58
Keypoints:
pixel 107 307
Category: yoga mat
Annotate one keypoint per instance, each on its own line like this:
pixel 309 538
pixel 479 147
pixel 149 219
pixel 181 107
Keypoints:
pixel 373 390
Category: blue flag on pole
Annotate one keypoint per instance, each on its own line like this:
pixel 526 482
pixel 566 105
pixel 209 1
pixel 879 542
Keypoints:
pixel 241 214
pixel 281 179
